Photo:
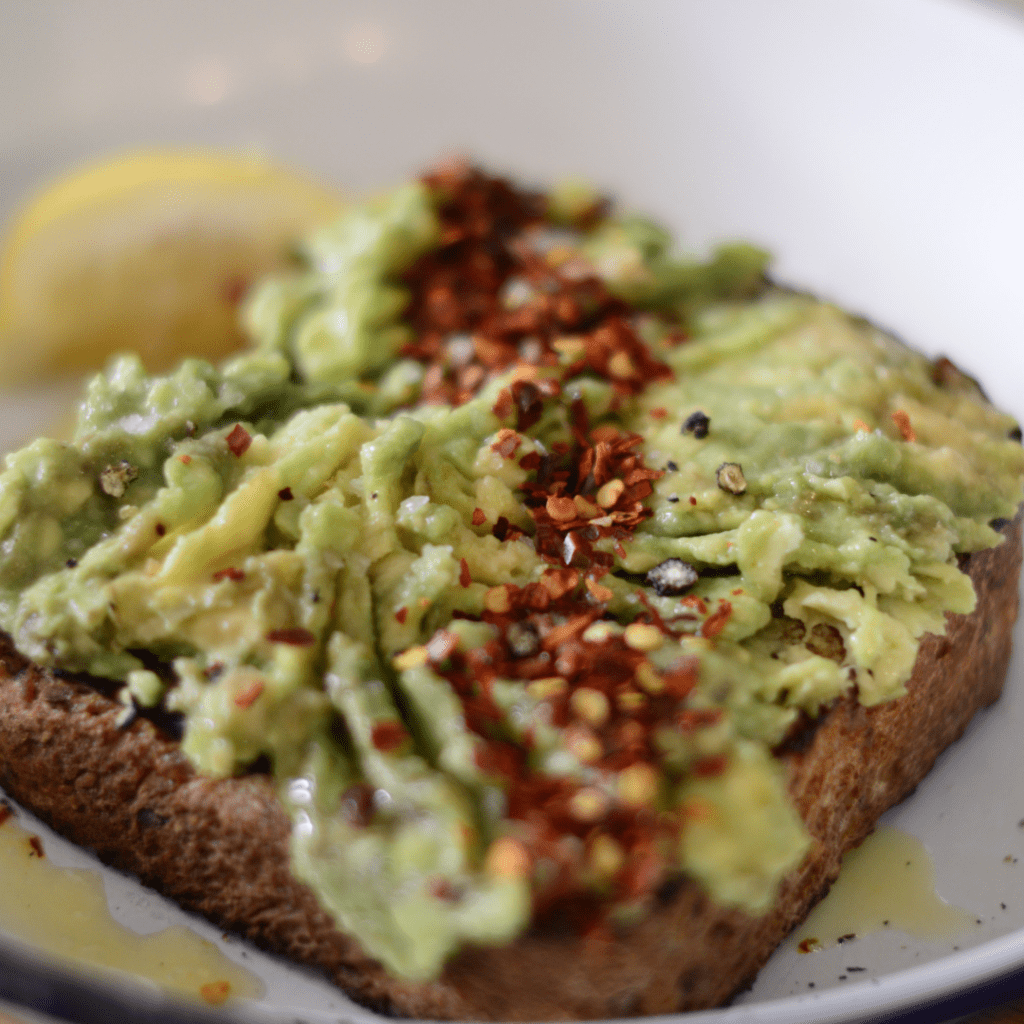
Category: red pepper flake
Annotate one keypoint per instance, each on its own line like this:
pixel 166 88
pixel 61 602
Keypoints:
pixel 464 577
pixel 401 615
pixel 693 500
pixel 506 443
pixel 859 425
pixel 160 529
pixel 36 847
pixel 388 736
pixel 215 992
pixel 5 813
pixel 659 413
pixel 902 421
pixel 693 601
pixel 441 888
pixel 185 460
pixel 681 678
pixel 504 405
pixel 504 530
pixel 708 767
pixel 693 719
pixel 239 440
pixel 530 461
pixel 285 494
pixel 249 694
pixel 294 635
pixel 715 622
pixel 478 516
pixel 231 573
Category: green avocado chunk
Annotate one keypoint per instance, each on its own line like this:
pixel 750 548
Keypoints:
pixel 311 565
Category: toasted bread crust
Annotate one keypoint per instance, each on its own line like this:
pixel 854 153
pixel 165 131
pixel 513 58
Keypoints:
pixel 221 847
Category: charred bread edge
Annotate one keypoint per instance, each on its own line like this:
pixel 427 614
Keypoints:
pixel 220 848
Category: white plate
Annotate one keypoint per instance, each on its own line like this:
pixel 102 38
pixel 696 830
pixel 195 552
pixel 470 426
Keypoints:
pixel 875 145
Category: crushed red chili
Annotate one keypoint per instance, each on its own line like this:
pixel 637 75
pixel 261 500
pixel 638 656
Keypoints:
pixel 231 573
pixel 388 736
pixel 249 694
pixel 600 693
pixel 486 300
pixel 239 440
pixel 294 635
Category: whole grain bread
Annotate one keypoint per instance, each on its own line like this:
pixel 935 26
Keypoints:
pixel 221 847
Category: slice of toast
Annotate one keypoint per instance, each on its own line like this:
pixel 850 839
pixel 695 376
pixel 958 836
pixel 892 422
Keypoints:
pixel 221 847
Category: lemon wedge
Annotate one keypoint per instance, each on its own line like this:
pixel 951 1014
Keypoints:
pixel 149 251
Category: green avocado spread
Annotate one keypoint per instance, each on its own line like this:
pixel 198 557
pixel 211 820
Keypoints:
pixel 512 547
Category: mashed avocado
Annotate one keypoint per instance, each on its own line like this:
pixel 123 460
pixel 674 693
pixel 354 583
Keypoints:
pixel 513 545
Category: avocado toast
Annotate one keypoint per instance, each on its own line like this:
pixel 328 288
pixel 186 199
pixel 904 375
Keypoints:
pixel 562 594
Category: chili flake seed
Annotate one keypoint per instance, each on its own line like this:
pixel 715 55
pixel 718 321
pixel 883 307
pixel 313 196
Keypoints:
pixel 647 679
pixel 902 421
pixel 296 636
pixel 606 856
pixel 588 804
pixel 697 423
pixel 642 636
pixel 598 632
pixel 671 577
pixel 215 992
pixel 114 480
pixel 583 744
pixel 239 440
pixel 729 476
pixel 412 657
pixel 630 700
pixel 562 509
pixel 478 517
pixel 591 705
pixel 621 366
pixel 549 686
pixel 507 858
pixel 610 493
pixel 496 600
pixel 637 785
pixel 587 509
